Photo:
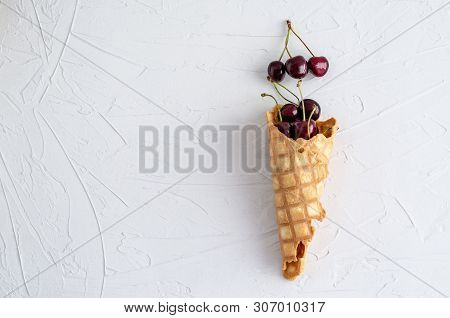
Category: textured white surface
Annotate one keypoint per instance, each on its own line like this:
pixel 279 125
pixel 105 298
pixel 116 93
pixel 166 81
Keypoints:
pixel 69 124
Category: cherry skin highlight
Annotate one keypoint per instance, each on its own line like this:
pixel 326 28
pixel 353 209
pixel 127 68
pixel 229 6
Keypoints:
pixel 276 71
pixel 297 67
pixel 318 65
pixel 289 112
pixel 310 106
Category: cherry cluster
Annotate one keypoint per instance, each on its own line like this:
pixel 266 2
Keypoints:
pixel 296 119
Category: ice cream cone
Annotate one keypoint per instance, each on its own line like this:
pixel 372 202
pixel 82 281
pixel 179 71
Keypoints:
pixel 299 168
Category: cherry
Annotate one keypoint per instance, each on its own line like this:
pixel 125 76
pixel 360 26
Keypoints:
pixel 300 129
pixel 315 130
pixel 276 71
pixel 284 127
pixel 318 65
pixel 297 67
pixel 289 112
pixel 312 108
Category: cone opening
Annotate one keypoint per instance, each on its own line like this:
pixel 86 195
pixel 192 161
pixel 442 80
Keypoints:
pixel 326 128
pixel 294 268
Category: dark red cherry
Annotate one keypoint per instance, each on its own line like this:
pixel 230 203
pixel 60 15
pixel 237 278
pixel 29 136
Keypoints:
pixel 284 127
pixel 318 65
pixel 289 112
pixel 315 129
pixel 309 108
pixel 297 67
pixel 276 71
pixel 299 129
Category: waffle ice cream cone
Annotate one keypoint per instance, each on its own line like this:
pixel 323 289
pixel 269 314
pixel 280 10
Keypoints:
pixel 299 168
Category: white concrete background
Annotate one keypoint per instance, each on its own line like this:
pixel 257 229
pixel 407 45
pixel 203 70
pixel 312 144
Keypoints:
pixel 78 78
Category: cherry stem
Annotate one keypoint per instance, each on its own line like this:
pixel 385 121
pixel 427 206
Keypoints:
pixel 275 84
pixel 279 93
pixel 286 49
pixel 298 36
pixel 299 84
pixel 309 120
pixel 268 95
pixel 276 103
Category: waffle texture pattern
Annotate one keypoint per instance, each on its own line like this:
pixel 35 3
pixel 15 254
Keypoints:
pixel 299 169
